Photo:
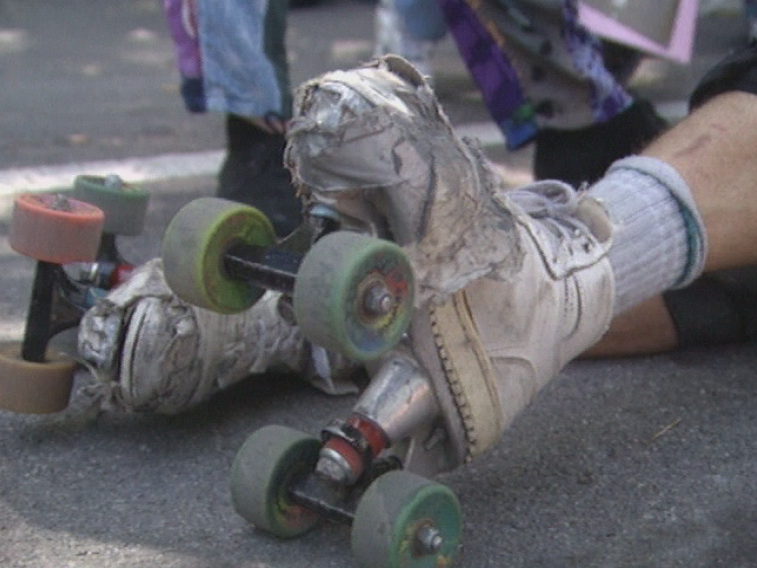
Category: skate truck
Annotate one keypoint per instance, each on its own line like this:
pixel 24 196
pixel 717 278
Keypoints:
pixel 72 237
pixel 352 293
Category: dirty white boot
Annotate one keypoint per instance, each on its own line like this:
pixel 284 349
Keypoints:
pixel 151 352
pixel 511 284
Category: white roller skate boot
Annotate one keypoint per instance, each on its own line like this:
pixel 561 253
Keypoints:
pixel 151 352
pixel 511 285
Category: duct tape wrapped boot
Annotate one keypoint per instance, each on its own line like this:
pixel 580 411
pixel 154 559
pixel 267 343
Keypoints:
pixel 509 287
pixel 150 351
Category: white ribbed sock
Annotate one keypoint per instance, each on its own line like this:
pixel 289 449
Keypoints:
pixel 659 240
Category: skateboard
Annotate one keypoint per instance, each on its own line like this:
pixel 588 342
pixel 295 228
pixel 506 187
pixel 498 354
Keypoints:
pixel 352 293
pixel 72 238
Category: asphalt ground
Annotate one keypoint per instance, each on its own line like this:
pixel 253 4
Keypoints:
pixel 621 463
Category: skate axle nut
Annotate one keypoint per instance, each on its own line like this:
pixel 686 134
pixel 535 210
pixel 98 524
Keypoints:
pixel 428 540
pixel 113 181
pixel 378 300
pixel 339 462
pixel 61 203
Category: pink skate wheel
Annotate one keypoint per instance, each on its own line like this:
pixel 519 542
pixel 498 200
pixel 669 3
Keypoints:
pixel 55 228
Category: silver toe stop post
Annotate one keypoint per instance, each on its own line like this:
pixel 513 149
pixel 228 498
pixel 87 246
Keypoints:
pixel 396 424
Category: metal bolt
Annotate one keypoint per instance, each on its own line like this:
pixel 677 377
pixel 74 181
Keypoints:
pixel 113 181
pixel 88 272
pixel 378 301
pixel 324 211
pixel 332 466
pixel 61 203
pixel 428 540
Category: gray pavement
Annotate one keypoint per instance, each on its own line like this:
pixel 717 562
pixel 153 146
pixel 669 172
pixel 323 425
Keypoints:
pixel 646 462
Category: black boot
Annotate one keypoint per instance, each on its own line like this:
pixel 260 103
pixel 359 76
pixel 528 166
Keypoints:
pixel 254 173
pixel 583 155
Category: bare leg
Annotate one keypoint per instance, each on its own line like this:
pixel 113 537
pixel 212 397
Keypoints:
pixel 715 150
pixel 643 330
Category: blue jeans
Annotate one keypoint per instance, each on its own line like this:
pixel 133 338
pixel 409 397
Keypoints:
pixel 240 45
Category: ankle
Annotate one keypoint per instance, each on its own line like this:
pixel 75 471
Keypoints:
pixel 659 242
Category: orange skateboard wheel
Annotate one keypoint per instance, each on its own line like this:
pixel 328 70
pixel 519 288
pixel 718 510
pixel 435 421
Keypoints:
pixel 55 228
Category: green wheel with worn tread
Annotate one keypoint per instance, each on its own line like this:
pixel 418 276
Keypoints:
pixel 354 294
pixel 406 521
pixel 124 204
pixel 261 474
pixel 193 251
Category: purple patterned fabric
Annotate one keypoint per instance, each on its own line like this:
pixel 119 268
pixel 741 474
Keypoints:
pixel 181 16
pixel 608 96
pixel 518 104
pixel 493 73
pixel 182 22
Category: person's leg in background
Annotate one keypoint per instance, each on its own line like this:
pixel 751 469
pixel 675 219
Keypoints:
pixel 622 123
pixel 410 29
pixel 246 75
pixel 546 80
pixel 233 60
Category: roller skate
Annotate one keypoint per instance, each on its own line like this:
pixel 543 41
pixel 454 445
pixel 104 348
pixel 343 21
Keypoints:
pixel 460 298
pixel 151 348
pixel 150 351
pixel 72 237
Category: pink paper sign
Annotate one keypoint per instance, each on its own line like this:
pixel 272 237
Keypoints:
pixel 679 48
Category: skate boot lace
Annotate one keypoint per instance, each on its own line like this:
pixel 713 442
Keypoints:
pixel 554 205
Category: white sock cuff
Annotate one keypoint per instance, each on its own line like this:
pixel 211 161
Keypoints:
pixel 679 189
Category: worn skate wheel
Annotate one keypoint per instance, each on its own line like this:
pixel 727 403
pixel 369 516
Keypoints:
pixel 34 388
pixel 55 228
pixel 124 204
pixel 354 294
pixel 262 472
pixel 406 521
pixel 193 251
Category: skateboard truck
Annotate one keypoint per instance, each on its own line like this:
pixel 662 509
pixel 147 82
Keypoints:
pixel 394 406
pixel 350 293
pixel 74 244
pixel 364 472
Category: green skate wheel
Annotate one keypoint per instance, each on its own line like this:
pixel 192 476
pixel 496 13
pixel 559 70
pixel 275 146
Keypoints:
pixel 354 294
pixel 124 204
pixel 263 471
pixel 194 245
pixel 406 521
